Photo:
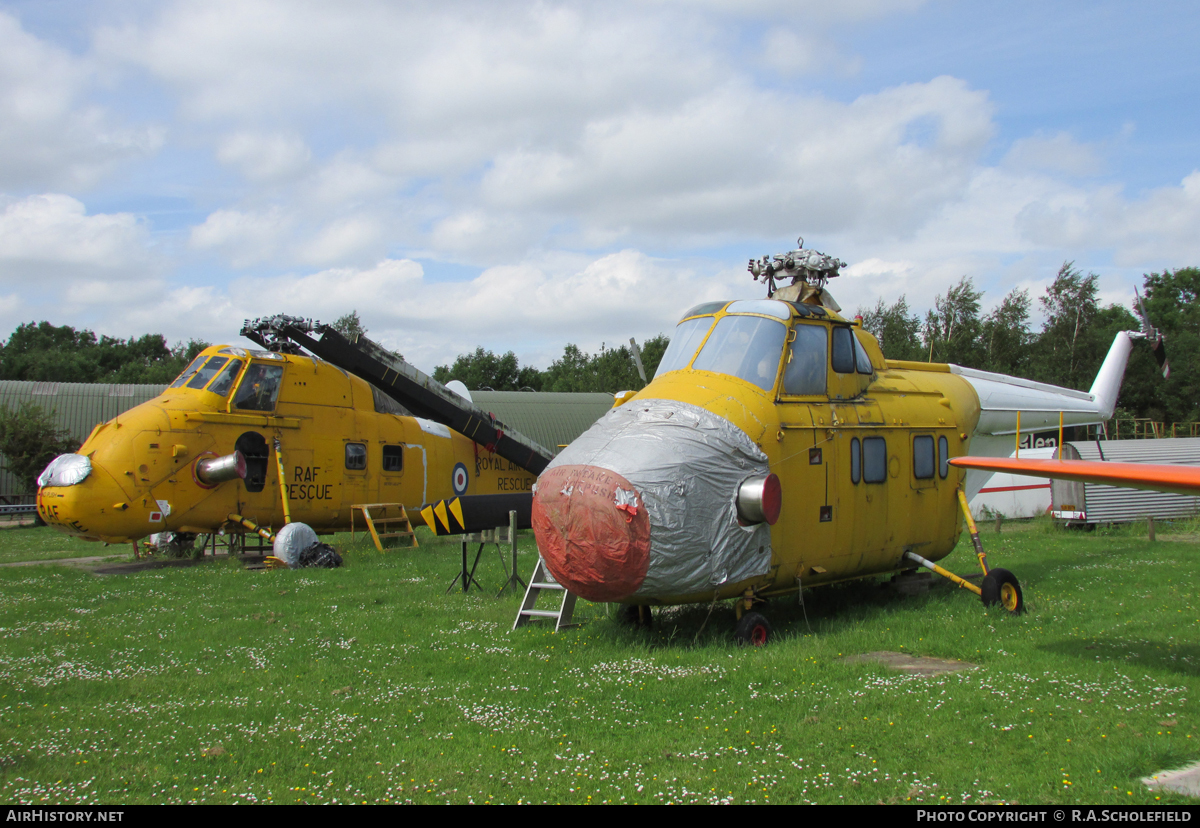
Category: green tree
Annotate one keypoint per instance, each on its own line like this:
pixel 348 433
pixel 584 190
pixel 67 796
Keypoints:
pixel 1077 332
pixel 349 325
pixel 1070 305
pixel 484 370
pixel 652 353
pixel 1006 336
pixel 44 352
pixel 1172 302
pixel 896 327
pixel 952 328
pixel 29 440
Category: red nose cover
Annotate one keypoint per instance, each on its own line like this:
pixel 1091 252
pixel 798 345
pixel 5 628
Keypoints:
pixel 593 531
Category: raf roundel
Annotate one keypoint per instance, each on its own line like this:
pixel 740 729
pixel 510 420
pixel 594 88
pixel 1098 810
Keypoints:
pixel 460 479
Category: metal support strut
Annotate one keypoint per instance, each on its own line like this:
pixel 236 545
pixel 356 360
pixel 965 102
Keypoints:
pixel 945 573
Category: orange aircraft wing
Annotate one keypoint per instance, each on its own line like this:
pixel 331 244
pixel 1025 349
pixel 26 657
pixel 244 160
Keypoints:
pixel 1161 478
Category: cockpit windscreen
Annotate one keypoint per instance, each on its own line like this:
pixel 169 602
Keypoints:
pixel 747 347
pixel 187 372
pixel 688 336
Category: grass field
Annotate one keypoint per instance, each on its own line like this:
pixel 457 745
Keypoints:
pixel 33 543
pixel 370 684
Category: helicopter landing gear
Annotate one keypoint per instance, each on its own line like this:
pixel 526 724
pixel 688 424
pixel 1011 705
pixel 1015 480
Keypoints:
pixel 753 629
pixel 1001 587
pixel 636 615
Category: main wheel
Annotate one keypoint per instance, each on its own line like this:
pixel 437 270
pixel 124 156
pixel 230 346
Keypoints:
pixel 636 615
pixel 1001 587
pixel 754 629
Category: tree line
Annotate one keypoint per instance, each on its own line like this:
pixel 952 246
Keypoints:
pixel 1073 340
pixel 609 370
pixel 48 353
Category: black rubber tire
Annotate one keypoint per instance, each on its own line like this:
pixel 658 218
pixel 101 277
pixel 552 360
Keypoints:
pixel 753 630
pixel 636 615
pixel 1001 587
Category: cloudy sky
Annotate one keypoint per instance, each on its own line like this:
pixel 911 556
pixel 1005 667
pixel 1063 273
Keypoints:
pixel 523 175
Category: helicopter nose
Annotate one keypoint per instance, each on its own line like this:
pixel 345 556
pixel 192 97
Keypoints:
pixel 658 499
pixel 593 531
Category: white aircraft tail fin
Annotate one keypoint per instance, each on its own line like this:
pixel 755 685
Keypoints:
pixel 1108 381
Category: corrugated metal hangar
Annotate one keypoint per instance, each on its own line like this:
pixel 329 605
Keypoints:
pixel 1091 503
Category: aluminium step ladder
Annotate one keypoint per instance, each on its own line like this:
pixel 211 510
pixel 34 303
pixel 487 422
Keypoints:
pixel 541 581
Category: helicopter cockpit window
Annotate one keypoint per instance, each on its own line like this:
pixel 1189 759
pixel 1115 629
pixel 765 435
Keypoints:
pixel 206 373
pixel 225 379
pixel 843 350
pixel 688 336
pixel 746 347
pixel 259 388
pixel 861 361
pixel 807 358
pixel 187 372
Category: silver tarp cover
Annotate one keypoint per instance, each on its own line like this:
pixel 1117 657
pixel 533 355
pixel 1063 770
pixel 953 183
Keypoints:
pixel 65 470
pixel 687 463
pixel 291 540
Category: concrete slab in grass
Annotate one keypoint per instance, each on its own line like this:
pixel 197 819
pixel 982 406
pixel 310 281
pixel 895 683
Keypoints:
pixel 914 665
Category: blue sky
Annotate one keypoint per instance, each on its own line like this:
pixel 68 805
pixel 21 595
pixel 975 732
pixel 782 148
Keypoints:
pixel 523 175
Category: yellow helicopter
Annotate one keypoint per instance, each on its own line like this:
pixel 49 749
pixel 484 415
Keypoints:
pixel 775 449
pixel 247 438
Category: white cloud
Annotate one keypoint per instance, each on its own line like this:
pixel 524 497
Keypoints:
pixel 742 161
pixel 245 237
pixel 1058 153
pixel 265 156
pixel 48 135
pixel 52 235
pixel 1157 229
pixel 798 50
pixel 326 137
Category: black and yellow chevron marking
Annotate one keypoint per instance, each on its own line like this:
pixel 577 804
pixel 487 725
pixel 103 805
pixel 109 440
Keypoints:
pixel 473 513
pixel 445 517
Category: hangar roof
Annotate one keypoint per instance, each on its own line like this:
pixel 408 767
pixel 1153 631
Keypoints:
pixel 552 418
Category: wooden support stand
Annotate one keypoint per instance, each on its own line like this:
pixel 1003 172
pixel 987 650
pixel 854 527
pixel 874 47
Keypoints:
pixel 385 520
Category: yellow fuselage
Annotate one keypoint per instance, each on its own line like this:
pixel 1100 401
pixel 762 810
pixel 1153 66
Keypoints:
pixel 860 455
pixel 336 449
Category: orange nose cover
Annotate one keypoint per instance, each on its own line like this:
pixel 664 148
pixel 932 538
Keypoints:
pixel 593 531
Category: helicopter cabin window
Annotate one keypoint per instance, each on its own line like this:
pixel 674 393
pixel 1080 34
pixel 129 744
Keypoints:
pixel 923 457
pixel 187 372
pixel 259 388
pixel 393 458
pixel 201 377
pixel 874 451
pixel 356 456
pixel 861 361
pixel 746 347
pixel 226 378
pixel 807 358
pixel 855 461
pixel 688 336
pixel 943 457
pixel 843 350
